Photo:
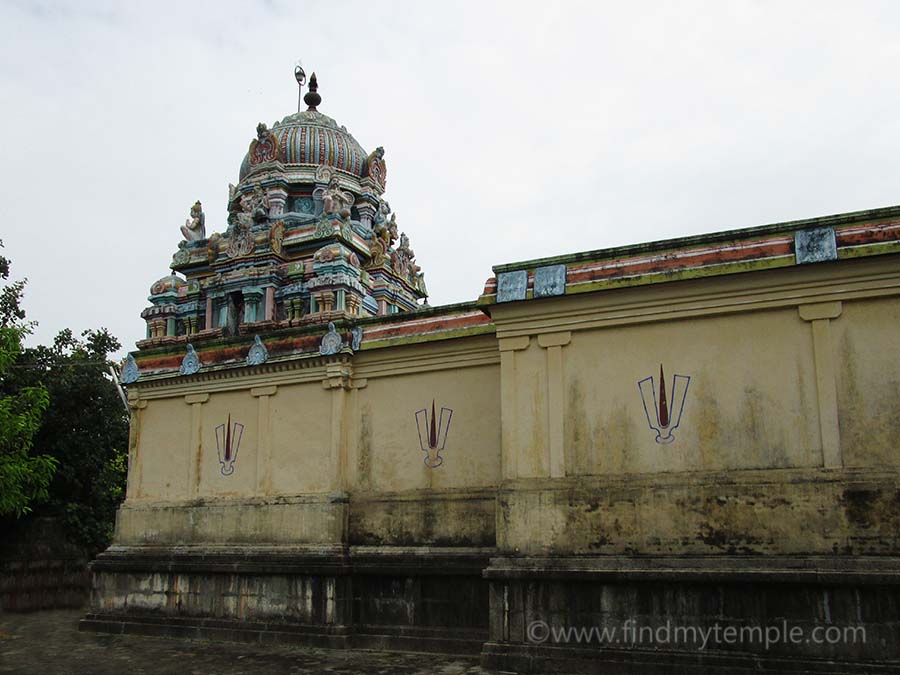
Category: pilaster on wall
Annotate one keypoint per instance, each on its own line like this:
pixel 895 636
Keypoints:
pixel 338 380
pixel 264 445
pixel 350 473
pixel 553 343
pixel 820 315
pixel 508 447
pixel 136 405
pixel 551 427
pixel 195 442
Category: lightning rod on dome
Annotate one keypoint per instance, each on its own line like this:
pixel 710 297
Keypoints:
pixel 300 76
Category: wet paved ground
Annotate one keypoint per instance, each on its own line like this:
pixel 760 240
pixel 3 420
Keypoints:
pixel 47 643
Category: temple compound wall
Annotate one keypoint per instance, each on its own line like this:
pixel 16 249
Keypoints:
pixel 312 436
pixel 699 431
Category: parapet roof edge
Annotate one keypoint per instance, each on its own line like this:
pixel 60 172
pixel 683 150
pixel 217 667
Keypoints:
pixel 724 235
pixel 312 329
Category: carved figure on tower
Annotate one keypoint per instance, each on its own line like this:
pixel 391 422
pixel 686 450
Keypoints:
pixel 403 260
pixel 243 211
pixel 234 199
pixel 335 200
pixel 392 229
pixel 265 147
pixel 194 228
pixel 258 203
pixel 384 210
pixel 376 168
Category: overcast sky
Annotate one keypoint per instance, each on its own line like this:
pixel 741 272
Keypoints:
pixel 512 130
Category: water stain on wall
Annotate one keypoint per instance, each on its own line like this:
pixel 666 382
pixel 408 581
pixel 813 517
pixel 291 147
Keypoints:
pixel 579 434
pixel 867 414
pixel 616 435
pixel 364 458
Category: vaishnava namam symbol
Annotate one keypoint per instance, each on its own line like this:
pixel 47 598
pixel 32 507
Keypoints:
pixel 433 434
pixel 664 414
pixel 228 441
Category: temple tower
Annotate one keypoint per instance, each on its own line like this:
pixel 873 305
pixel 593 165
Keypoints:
pixel 309 239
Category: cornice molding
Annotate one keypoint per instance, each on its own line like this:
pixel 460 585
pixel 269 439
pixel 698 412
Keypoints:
pixel 865 278
pixel 353 368
pixel 468 353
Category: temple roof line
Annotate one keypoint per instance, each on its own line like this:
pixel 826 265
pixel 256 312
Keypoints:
pixel 722 235
pixel 849 235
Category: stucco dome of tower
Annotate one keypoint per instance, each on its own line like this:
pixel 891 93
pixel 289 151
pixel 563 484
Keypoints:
pixel 306 138
pixel 171 283
pixel 309 137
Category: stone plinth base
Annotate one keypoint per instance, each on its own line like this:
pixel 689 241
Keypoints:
pixel 332 637
pixel 413 599
pixel 708 615
pixel 542 659
pixel 610 614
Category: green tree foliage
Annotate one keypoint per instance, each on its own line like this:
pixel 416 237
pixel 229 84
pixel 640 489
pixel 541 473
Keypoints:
pixel 85 429
pixel 24 476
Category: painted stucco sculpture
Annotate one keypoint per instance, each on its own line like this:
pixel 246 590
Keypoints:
pixel 194 228
pixel 356 336
pixel 130 371
pixel 331 342
pixel 191 362
pixel 258 353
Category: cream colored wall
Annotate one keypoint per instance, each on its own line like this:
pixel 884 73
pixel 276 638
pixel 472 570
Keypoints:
pixel 285 446
pixel 793 394
pixel 314 432
pixel 788 369
pixel 867 348
pixel 162 454
pixel 398 500
pixel 750 403
pixel 787 443
pixel 302 458
pixel 528 433
pixel 390 457
pixel 242 409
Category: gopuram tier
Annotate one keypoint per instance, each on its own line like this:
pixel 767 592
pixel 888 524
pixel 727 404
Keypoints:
pixel 310 239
